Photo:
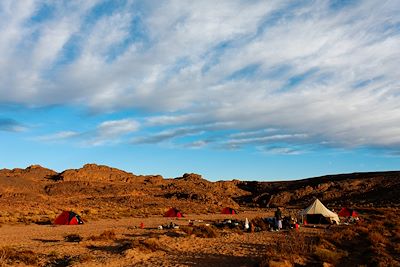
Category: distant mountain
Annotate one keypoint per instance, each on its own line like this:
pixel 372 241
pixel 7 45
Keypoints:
pixel 103 191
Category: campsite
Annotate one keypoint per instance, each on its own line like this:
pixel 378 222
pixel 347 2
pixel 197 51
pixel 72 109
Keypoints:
pixel 200 133
pixel 102 216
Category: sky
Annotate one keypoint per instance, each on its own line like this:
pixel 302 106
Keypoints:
pixel 252 90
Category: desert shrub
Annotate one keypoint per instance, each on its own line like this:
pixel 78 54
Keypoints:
pixel 296 243
pixel 43 221
pixel 389 224
pixel 150 244
pixel 24 220
pixel 53 254
pixel 146 245
pixel 377 238
pixel 12 256
pixel 63 261
pixel 330 256
pixel 275 262
pixel 379 257
pixel 341 235
pixel 362 229
pixel 287 249
pixel 106 235
pixel 396 248
pixel 259 222
pixel 73 238
pixel 201 231
pixel 396 234
pixel 290 246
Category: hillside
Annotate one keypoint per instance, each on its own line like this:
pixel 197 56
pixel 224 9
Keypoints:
pixel 102 191
pixel 372 189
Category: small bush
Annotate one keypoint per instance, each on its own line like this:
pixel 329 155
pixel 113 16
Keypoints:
pixel 63 261
pixel 73 238
pixel 292 246
pixel 377 238
pixel 330 256
pixel 296 243
pixel 151 244
pixel 10 255
pixel 106 235
pixel 201 231
pixel 341 235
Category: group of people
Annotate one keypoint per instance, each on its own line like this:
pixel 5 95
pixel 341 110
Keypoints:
pixel 276 223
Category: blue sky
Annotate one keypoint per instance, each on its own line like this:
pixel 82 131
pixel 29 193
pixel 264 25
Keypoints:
pixel 256 90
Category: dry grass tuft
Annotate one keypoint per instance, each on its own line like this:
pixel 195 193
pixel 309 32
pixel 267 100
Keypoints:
pixel 377 238
pixel 104 236
pixel 12 256
pixel 291 248
pixel 340 235
pixel 296 243
pixel 151 244
pixel 63 261
pixel 330 256
pixel 201 231
pixel 73 238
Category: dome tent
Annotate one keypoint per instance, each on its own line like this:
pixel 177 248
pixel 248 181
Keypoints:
pixel 346 212
pixel 228 210
pixel 173 212
pixel 68 218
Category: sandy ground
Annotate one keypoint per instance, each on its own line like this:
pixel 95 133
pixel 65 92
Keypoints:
pixel 167 248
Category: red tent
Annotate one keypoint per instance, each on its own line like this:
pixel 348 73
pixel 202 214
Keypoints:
pixel 228 210
pixel 173 212
pixel 346 212
pixel 68 218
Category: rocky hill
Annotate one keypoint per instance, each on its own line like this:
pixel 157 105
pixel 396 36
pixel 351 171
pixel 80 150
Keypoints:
pixel 102 191
pixel 94 172
pixel 355 189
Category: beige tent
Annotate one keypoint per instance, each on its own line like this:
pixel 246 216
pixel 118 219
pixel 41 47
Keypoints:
pixel 318 213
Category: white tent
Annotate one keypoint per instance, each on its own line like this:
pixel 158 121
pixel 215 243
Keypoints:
pixel 317 208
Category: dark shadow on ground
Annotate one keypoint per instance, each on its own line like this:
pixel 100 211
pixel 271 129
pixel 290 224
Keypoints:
pixel 152 234
pixel 113 249
pixel 204 259
pixel 46 240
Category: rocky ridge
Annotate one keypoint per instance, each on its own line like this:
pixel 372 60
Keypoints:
pixel 103 191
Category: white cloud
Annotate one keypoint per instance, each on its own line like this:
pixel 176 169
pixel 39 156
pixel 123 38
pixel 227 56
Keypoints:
pixel 171 119
pixel 107 132
pixel 112 131
pixel 197 144
pixel 330 74
pixel 117 127
pixel 277 150
pixel 59 136
pixel 265 139
pixel 167 135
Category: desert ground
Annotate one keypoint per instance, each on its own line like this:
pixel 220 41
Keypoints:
pixel 121 242
pixel 153 248
pixel 114 204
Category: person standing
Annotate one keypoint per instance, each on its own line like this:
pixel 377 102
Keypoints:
pixel 278 219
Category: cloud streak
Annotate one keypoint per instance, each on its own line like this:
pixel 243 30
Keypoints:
pixel 107 132
pixel 326 72
pixel 10 125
